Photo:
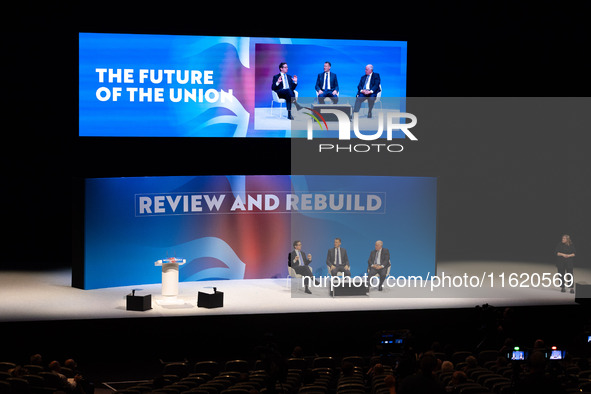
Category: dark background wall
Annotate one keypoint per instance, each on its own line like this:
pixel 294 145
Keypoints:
pixel 500 197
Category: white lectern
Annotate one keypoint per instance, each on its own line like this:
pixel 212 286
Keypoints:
pixel 170 280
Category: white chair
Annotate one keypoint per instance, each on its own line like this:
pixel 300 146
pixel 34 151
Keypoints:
pixel 326 98
pixel 341 273
pixel 387 271
pixel 279 101
pixel 291 273
pixel 378 100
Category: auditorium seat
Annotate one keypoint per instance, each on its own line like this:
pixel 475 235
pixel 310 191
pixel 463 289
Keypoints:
pixel 6 366
pixel 237 365
pixel 297 363
pixel 487 356
pixel 236 390
pixel 210 367
pixel 195 379
pixel 67 372
pixel 171 378
pixel 141 387
pixel 211 388
pixel 445 377
pixel 357 361
pixel 466 387
pixel 313 389
pixel 475 372
pixel 203 375
pixel 441 356
pixel 18 385
pixel 484 377
pixel 499 387
pixel 491 382
pixel 33 369
pixel 247 385
pixel 323 362
pixel 180 387
pixel 51 380
pixel 220 382
pixel 585 386
pixel 460 356
pixel 475 390
pixel 351 388
pixel 179 369
pixel 350 384
pixel 34 380
pixel 378 386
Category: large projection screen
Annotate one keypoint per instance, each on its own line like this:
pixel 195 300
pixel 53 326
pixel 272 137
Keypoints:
pixel 243 227
pixel 141 85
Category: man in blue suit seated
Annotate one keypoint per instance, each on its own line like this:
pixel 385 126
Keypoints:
pixel 327 85
pixel 300 262
pixel 285 85
pixel 368 89
pixel 337 259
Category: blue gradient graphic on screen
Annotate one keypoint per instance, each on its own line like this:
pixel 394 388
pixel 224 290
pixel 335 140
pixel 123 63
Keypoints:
pixel 132 222
pixel 407 227
pixel 230 85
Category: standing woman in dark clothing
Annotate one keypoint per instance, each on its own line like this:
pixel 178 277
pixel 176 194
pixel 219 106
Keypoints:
pixel 565 258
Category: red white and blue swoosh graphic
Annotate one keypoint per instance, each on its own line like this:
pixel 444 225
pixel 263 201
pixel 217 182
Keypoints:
pixel 121 246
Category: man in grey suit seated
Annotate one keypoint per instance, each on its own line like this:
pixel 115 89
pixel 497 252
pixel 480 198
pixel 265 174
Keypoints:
pixel 378 263
pixel 337 259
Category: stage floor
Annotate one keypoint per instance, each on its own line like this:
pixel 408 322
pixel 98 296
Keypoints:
pixel 48 295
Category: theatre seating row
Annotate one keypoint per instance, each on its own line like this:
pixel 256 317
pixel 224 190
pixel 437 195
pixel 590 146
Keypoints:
pixel 324 375
pixel 311 375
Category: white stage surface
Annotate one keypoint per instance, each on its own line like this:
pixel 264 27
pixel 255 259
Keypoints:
pixel 48 295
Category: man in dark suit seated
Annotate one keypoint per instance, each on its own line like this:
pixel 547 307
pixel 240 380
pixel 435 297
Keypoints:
pixel 378 263
pixel 327 85
pixel 368 89
pixel 337 259
pixel 300 262
pixel 285 85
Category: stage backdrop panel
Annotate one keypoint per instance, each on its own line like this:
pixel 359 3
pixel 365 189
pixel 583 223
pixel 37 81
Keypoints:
pixel 142 85
pixel 243 227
